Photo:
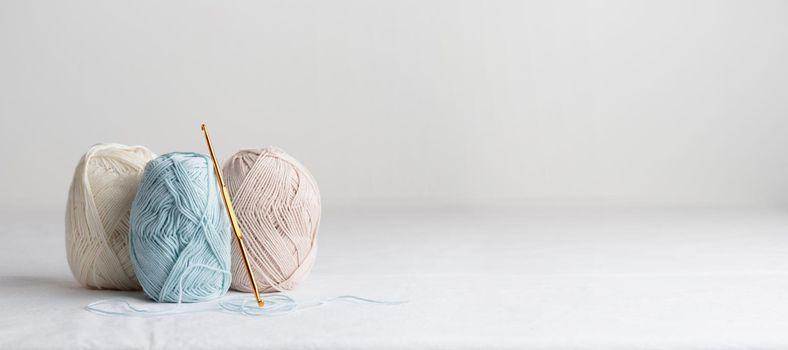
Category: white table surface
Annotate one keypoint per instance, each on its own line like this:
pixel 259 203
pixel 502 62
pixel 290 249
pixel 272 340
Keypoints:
pixel 514 278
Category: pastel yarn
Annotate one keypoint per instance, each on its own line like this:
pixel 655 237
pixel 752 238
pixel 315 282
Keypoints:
pixel 277 203
pixel 180 235
pixel 97 215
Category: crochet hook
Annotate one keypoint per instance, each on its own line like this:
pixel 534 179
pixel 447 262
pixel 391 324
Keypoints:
pixel 233 219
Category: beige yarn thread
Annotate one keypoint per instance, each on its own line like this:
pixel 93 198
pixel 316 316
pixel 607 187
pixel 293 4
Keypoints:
pixel 277 202
pixel 97 215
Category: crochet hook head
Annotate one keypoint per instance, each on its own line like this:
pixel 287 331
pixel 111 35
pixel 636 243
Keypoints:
pixel 231 214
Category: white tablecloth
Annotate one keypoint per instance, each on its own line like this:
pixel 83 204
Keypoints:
pixel 514 278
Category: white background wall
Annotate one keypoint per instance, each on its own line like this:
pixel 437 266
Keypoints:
pixel 433 102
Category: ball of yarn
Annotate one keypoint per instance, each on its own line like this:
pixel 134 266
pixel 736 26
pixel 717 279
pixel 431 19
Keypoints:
pixel 277 203
pixel 180 235
pixel 97 215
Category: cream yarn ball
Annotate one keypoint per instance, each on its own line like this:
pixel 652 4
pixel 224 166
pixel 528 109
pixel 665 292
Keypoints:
pixel 277 202
pixel 97 215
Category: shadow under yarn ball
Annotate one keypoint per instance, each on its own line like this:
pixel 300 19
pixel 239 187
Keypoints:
pixel 97 215
pixel 179 234
pixel 277 203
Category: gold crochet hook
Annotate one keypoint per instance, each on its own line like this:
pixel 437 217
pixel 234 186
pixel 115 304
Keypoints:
pixel 231 213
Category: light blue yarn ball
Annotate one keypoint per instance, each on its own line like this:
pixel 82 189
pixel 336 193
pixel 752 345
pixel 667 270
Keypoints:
pixel 179 234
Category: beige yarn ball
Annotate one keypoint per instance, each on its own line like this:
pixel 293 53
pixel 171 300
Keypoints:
pixel 97 215
pixel 277 202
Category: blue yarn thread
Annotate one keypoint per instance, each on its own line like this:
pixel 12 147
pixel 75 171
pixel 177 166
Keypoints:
pixel 275 305
pixel 179 238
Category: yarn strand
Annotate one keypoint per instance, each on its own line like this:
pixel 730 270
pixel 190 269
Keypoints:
pixel 276 304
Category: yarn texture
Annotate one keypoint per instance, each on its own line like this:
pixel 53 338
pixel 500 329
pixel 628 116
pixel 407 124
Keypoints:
pixel 180 235
pixel 97 215
pixel 277 202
